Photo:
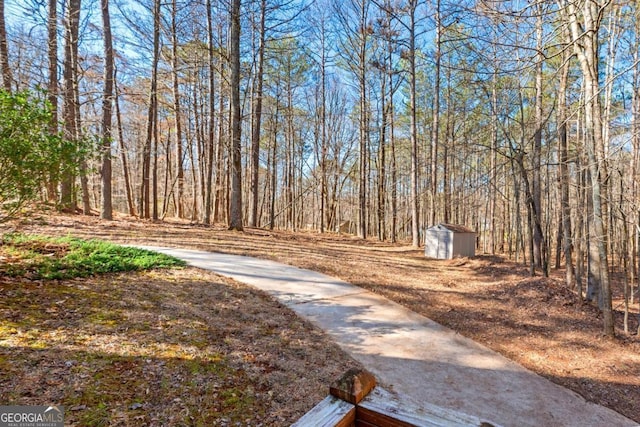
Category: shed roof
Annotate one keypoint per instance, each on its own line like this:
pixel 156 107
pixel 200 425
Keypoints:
pixel 456 228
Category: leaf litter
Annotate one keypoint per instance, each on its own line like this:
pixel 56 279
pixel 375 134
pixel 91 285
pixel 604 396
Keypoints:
pixel 161 348
pixel 536 322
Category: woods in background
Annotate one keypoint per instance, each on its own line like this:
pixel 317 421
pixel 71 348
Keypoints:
pixel 520 119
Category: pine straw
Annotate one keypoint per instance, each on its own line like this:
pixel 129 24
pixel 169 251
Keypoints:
pixel 536 322
pixel 161 348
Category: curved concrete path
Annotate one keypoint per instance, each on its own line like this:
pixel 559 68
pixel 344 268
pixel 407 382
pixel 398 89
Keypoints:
pixel 410 354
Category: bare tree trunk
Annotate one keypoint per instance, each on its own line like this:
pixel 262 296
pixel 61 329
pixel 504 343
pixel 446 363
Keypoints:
pixel 323 124
pixel 107 101
pixel 382 158
pixel 274 166
pixel 435 128
pixel 289 156
pixel 220 146
pixel 152 116
pixel 363 128
pixel 449 140
pixel 635 246
pixel 580 229
pixel 200 154
pixel 7 79
pixel 493 160
pixel 154 171
pixel 194 175
pixel 257 120
pixel 626 290
pixel 613 31
pixel 564 173
pixel 52 52
pixel 123 150
pixel 584 36
pixel 533 217
pixel 516 218
pixel 70 74
pixel 539 253
pixel 415 203
pixel 168 181
pixel 52 88
pixel 177 111
pixel 84 169
pixel 212 123
pixel 235 208
pixel 393 165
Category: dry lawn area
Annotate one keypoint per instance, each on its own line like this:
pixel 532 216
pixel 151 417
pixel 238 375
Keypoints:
pixel 171 347
pixel 536 322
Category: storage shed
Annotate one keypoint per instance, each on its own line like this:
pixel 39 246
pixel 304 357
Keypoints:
pixel 447 241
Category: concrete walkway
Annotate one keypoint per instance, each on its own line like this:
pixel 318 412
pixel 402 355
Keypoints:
pixel 410 354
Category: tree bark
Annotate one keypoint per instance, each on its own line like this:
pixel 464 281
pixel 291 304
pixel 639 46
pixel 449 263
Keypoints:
pixel 363 126
pixel 562 118
pixel 382 158
pixel 257 120
pixel 584 37
pixel 212 123
pixel 52 88
pixel 52 52
pixel 435 127
pixel 7 78
pixel 152 115
pixel 274 165
pixel 220 146
pixel 177 110
pixel 493 160
pixel 413 132
pixel 539 253
pixel 70 74
pixel 235 208
pixel 323 124
pixel 107 102
pixel 636 159
pixel 123 150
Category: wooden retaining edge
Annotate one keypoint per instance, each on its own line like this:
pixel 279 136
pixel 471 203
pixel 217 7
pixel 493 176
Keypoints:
pixel 355 401
pixel 331 412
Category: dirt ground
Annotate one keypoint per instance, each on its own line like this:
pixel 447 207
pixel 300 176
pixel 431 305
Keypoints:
pixel 536 322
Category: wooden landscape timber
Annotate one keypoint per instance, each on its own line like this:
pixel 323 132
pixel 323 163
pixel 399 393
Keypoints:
pixel 355 401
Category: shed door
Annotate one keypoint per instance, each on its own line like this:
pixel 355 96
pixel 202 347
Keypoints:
pixel 437 243
pixel 444 244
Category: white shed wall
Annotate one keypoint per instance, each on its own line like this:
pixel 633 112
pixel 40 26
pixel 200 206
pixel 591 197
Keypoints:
pixel 442 243
pixel 438 243
pixel 464 245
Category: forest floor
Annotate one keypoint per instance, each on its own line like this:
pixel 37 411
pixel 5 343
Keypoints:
pixel 534 321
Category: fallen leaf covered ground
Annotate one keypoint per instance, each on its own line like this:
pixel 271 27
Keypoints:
pixel 537 322
pixel 160 348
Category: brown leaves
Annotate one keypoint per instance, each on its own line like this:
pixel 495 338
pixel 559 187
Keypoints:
pixel 487 298
pixel 160 348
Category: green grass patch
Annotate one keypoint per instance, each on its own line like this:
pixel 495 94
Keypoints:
pixel 39 257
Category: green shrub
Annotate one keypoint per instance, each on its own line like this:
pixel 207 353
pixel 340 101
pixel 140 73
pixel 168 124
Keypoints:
pixel 38 257
pixel 30 155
